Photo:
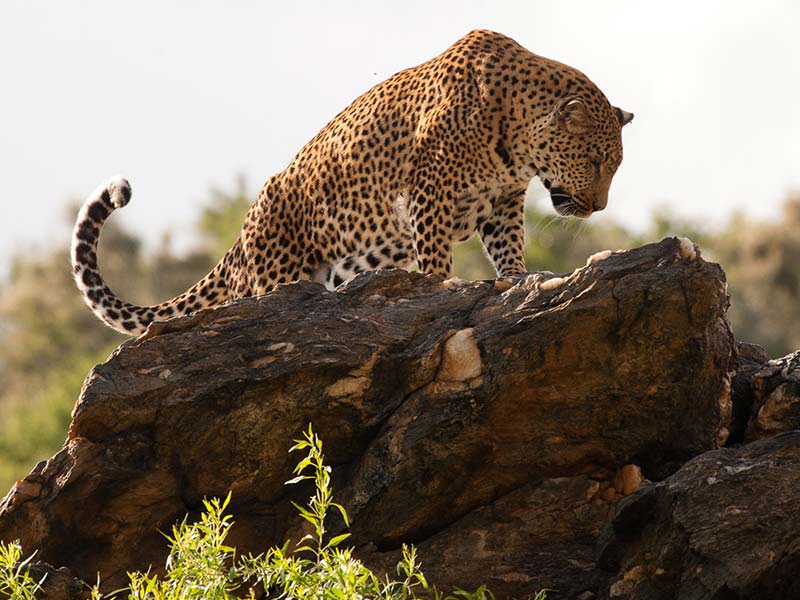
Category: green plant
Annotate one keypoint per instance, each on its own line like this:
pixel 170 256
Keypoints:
pixel 16 582
pixel 318 567
pixel 201 566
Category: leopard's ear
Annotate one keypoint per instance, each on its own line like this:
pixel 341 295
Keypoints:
pixel 623 116
pixel 571 114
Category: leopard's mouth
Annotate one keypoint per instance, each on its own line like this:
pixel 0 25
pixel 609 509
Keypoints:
pixel 563 202
pixel 565 205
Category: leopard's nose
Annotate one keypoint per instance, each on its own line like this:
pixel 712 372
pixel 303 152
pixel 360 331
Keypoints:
pixel 600 201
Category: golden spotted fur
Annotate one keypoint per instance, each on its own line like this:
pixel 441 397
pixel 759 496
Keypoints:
pixel 419 162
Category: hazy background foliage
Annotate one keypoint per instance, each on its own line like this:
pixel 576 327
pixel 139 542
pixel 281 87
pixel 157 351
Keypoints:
pixel 49 340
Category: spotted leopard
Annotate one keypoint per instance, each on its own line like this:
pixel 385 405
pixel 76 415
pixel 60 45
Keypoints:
pixel 416 164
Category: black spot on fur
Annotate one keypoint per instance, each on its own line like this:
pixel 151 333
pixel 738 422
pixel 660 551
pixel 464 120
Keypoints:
pixel 90 278
pixel 87 232
pixel 81 252
pixel 98 212
pixel 503 153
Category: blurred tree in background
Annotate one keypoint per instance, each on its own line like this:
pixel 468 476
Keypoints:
pixel 49 339
pixel 222 218
pixel 762 261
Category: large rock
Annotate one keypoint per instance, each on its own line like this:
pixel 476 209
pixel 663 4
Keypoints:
pixel 493 424
pixel 724 527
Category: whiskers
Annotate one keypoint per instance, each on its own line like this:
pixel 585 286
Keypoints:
pixel 567 217
pixel 581 225
pixel 545 217
pixel 566 222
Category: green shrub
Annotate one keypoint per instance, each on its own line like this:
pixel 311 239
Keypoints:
pixel 201 566
pixel 16 582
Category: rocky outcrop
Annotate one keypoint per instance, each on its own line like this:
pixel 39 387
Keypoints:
pixel 726 525
pixel 494 424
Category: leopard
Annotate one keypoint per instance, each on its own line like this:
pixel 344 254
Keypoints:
pixel 418 163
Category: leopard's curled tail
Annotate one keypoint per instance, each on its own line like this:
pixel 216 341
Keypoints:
pixel 125 317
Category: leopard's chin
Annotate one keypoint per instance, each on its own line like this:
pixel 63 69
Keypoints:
pixel 572 210
pixel 566 206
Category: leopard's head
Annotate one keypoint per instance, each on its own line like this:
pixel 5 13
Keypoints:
pixel 577 148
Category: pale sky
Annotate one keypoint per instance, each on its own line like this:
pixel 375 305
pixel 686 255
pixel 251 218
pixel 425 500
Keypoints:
pixel 180 96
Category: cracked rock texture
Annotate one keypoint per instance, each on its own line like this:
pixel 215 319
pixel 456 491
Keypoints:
pixel 776 397
pixel 725 526
pixel 493 424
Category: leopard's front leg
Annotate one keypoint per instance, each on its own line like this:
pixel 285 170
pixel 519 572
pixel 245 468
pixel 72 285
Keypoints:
pixel 431 212
pixel 503 234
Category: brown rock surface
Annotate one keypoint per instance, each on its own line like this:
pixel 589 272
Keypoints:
pixel 58 584
pixel 776 398
pixel 751 358
pixel 481 420
pixel 725 526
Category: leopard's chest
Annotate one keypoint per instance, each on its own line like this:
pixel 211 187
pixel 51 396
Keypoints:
pixel 470 211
